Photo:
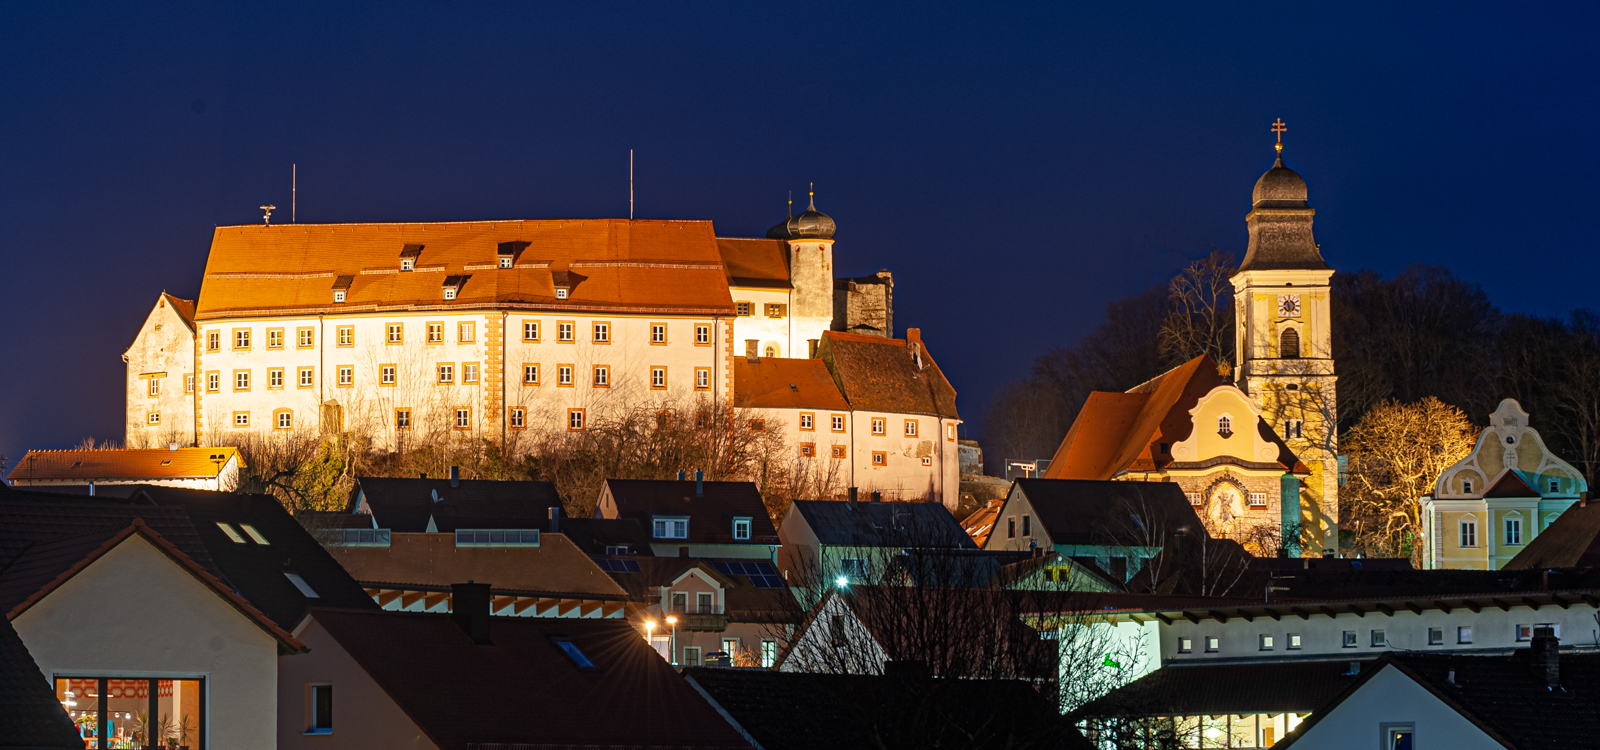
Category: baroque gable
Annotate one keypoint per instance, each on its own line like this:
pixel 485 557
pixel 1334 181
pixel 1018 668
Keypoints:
pixel 1509 444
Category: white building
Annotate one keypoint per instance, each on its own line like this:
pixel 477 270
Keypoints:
pixel 485 330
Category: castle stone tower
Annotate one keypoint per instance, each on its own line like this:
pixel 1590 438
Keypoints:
pixel 810 239
pixel 1284 346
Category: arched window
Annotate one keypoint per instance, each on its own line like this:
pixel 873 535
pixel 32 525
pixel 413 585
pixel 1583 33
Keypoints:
pixel 1224 426
pixel 1289 344
pixel 772 351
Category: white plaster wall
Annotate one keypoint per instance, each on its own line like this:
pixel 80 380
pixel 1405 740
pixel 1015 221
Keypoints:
pixel 1392 697
pixel 904 476
pixel 1493 629
pixel 136 613
pixel 165 345
pixel 758 326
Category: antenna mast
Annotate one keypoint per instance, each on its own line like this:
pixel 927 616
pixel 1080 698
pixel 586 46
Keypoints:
pixel 630 184
pixel 294 189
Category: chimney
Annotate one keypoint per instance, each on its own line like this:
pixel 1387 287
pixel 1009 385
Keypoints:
pixel 455 476
pixel 172 446
pixel 683 552
pixel 1355 669
pixel 681 475
pixel 914 335
pixel 469 607
pixel 699 483
pixel 422 475
pixel 877 496
pixel 854 492
pixel 1545 656
pixel 555 519
pixel 1583 499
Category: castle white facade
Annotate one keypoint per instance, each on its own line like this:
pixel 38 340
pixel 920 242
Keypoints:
pixel 489 330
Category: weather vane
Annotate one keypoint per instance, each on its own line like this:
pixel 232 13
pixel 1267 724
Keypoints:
pixel 1279 128
pixel 266 218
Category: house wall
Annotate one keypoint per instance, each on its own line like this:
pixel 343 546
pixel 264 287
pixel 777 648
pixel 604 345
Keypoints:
pixel 1493 630
pixel 364 716
pixel 1392 697
pixel 814 651
pixel 135 613
pixel 163 350
pixel 902 475
pixel 764 330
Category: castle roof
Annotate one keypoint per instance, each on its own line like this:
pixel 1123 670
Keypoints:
pixel 121 464
pixel 888 375
pixel 755 262
pixel 785 384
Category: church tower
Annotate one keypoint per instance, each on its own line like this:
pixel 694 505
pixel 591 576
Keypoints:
pixel 1284 345
pixel 810 240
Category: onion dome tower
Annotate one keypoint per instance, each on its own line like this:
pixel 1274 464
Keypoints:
pixel 809 238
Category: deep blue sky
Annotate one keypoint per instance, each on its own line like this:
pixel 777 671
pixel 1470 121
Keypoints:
pixel 1016 167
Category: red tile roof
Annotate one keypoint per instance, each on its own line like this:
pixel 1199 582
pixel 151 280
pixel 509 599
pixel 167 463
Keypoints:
pixel 980 525
pixel 618 265
pixel 1512 484
pixel 785 384
pixel 1115 432
pixel 556 566
pixel 104 465
pixel 183 307
pixel 520 689
pixel 755 263
pixel 885 375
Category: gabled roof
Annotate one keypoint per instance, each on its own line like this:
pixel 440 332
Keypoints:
pixel 407 504
pixel 981 523
pixel 121 464
pixel 1212 689
pixel 556 566
pixel 710 513
pixel 882 374
pixel 865 524
pixel 1511 484
pixel 139 528
pixel 755 263
pixel 1115 432
pixel 1082 511
pixel 1503 696
pixel 626 266
pixel 30 715
pixel 1573 541
pixel 521 689
pixel 785 384
pixel 183 307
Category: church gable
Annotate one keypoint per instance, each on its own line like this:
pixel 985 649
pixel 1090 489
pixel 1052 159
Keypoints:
pixel 1225 424
pixel 1510 445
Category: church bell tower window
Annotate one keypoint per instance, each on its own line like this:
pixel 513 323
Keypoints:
pixel 1289 344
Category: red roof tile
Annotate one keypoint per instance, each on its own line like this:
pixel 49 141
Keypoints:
pixel 785 384
pixel 885 375
pixel 556 566
pixel 755 263
pixel 104 465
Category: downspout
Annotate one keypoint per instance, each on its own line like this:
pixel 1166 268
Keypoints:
pixel 194 397
pixel 504 369
pixel 322 371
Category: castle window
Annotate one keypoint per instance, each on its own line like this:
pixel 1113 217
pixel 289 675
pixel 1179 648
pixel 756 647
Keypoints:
pixel 1258 499
pixel 518 418
pixel 702 335
pixel 702 378
pixel 742 309
pixel 1224 426
pixel 772 351
pixel 1289 344
pixel 1292 429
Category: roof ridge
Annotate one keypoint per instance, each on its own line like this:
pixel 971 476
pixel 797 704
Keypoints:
pixel 466 222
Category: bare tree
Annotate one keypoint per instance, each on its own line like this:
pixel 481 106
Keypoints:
pixel 1396 454
pixel 1202 311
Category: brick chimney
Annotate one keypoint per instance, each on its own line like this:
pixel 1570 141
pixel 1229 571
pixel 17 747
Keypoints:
pixel 1544 653
pixel 555 519
pixel 455 476
pixel 469 607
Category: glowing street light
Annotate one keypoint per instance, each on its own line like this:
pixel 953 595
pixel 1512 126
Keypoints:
pixel 673 621
pixel 843 582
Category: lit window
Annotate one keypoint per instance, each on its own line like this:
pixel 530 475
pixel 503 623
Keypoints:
pixel 807 421
pixel 231 532
pixel 1266 642
pixel 741 528
pixel 564 375
pixel 274 338
pixel 386 375
pixel 602 333
pixel 658 378
pixel 463 419
pixel 575 420
pixel 775 310
pixel 347 375
pixel 518 418
pixel 1185 645
pixel 880 426
pixel 530 330
pixel 469 372
pixel 447 374
pixel 702 335
pixel 1294 641
pixel 564 332
pixel 466 333
pixel 436 333
pixel 658 333
pixel 285 420
pixel 530 374
pixel 911 428
pixel 702 378
pixel 305 338
pixel 241 419
pixel 241 338
pixel 402 419
pixel 1213 645
pixel 769 653
pixel 347 335
pixel 308 377
pixel 879 458
pixel 602 376
pixel 395 333
pixel 838 423
pixel 254 535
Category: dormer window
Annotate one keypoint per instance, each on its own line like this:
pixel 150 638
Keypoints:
pixel 505 261
pixel 449 293
pixel 561 294
pixel 741 529
pixel 508 252
pixel 452 286
pixel 341 288
pixel 338 295
pixel 408 257
pixel 671 528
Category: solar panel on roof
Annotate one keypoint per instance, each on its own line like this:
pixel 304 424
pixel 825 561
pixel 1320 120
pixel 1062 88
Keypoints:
pixel 761 574
pixel 612 565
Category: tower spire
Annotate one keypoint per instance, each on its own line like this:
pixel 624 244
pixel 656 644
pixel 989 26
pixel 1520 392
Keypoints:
pixel 813 205
pixel 791 204
pixel 1279 128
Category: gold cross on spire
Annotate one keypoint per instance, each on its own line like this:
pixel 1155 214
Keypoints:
pixel 1279 128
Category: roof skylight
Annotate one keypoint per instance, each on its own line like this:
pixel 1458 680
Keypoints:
pixel 254 535
pixel 231 532
pixel 300 583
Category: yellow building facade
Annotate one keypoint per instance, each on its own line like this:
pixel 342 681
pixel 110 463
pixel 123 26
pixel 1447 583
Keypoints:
pixel 1488 506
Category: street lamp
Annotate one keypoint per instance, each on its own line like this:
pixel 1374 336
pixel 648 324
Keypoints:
pixel 673 621
pixel 843 582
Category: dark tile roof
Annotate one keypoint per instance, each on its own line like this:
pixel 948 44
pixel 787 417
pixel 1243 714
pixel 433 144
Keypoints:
pixel 521 688
pixel 407 504
pixel 1502 695
pixel 1086 511
pixel 711 513
pixel 866 524
pixel 1271 687
pixel 30 716
pixel 1512 484
pixel 1573 541
pixel 784 710
pixel 594 535
pixel 883 374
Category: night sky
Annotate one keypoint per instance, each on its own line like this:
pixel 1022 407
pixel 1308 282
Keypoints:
pixel 1015 167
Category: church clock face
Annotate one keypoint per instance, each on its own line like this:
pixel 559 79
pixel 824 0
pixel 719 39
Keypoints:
pixel 1289 305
